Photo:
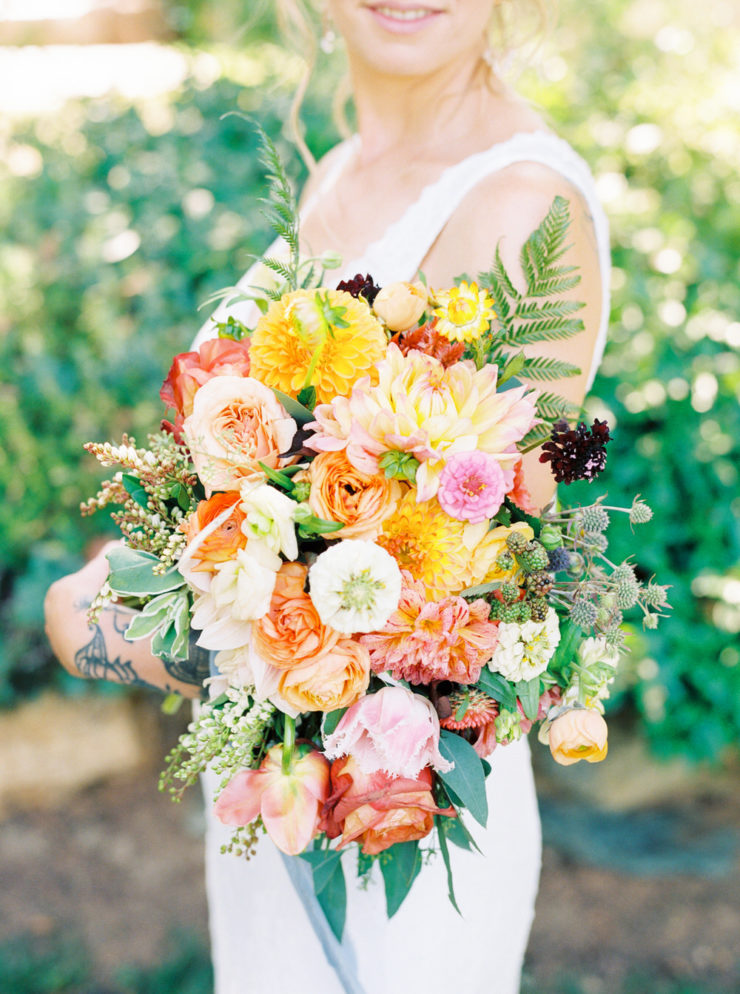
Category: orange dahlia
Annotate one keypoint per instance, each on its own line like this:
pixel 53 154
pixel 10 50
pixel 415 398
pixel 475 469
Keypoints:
pixel 428 543
pixel 327 339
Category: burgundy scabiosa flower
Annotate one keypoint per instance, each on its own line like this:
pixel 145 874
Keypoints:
pixel 361 286
pixel 576 453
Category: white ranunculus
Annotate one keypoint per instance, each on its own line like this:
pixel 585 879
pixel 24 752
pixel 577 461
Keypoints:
pixel 270 518
pixel 523 651
pixel 355 586
pixel 245 667
pixel 241 591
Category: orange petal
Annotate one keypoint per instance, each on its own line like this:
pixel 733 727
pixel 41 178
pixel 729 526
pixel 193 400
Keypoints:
pixel 239 801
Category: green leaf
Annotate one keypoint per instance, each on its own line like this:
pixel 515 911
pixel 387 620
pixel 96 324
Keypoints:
pixel 300 414
pixel 466 777
pixel 132 575
pixel 307 397
pixel 498 688
pixel 400 865
pixel 323 864
pixel 571 637
pixel 512 367
pixel 458 834
pixel 441 823
pixel 528 692
pixel 331 720
pixel 172 703
pixel 277 477
pixel 333 900
pixel 132 486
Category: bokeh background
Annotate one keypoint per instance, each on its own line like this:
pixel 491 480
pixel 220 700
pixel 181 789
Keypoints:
pixel 126 198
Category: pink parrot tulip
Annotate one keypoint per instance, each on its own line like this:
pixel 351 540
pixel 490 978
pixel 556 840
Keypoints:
pixel 290 803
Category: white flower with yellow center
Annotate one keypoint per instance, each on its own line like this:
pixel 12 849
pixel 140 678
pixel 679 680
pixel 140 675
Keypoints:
pixel 523 651
pixel 355 586
pixel 464 312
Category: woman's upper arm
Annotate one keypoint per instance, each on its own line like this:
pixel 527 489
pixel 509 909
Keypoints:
pixel 503 211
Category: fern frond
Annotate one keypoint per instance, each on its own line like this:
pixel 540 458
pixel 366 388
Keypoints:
pixel 279 267
pixel 534 438
pixel 551 406
pixel 541 368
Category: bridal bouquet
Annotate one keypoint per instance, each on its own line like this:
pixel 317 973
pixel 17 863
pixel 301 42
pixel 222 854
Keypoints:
pixel 337 511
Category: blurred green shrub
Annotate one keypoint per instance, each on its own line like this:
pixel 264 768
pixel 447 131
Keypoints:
pixel 138 212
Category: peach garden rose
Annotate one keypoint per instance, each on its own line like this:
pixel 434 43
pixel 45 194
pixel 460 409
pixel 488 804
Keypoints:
pixel 236 423
pixel 191 370
pixel 360 501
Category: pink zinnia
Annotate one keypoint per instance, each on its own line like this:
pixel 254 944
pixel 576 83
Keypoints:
pixel 472 487
pixel 425 640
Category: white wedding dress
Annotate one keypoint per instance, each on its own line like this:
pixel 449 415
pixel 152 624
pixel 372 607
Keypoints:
pixel 264 940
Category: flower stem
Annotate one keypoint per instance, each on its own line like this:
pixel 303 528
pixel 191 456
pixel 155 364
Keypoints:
pixel 288 744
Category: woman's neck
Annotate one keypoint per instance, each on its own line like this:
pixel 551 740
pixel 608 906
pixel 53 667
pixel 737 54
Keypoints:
pixel 401 117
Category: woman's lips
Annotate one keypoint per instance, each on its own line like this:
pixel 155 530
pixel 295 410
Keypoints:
pixel 403 19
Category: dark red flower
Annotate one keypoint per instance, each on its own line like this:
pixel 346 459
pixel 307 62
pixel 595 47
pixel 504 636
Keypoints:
pixel 361 286
pixel 576 453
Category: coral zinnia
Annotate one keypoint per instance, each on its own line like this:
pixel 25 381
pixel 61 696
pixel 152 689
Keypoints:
pixel 327 339
pixel 425 640
pixel 428 543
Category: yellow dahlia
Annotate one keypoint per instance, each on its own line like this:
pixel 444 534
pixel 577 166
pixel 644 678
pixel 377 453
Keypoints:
pixel 428 543
pixel 327 339
pixel 464 312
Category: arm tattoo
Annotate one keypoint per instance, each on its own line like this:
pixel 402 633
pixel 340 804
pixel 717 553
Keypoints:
pixel 93 661
pixel 192 670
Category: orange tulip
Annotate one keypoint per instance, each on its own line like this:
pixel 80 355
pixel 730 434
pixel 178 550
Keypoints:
pixel 578 734
pixel 289 803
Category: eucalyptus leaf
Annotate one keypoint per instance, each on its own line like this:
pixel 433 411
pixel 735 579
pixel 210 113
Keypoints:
pixel 466 777
pixel 333 900
pixel 400 865
pixel 300 414
pixel 528 692
pixel 441 823
pixel 323 864
pixel 132 574
pixel 498 688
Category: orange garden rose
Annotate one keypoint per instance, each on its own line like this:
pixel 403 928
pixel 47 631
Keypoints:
pixel 376 809
pixel 237 422
pixel 578 734
pixel 221 545
pixel 291 633
pixel 333 680
pixel 339 492
pixel 190 370
pixel 401 305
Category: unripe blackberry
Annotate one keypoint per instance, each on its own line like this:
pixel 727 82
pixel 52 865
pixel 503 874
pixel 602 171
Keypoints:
pixel 594 518
pixel 495 613
pixel 516 542
pixel 533 557
pixel 525 611
pixel 510 613
pixel 654 595
pixel 539 609
pixel 540 583
pixel 628 592
pixel 558 560
pixel 550 537
pixel 583 614
pixel 640 512
pixel 510 592
pixel 576 565
pixel 505 562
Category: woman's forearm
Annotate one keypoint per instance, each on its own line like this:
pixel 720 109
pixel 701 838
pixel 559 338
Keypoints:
pixel 99 651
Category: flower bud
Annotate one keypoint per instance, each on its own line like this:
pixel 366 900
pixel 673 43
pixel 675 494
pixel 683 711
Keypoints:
pixel 400 305
pixel 330 260
pixel 550 537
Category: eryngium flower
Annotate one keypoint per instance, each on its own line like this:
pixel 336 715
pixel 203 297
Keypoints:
pixel 576 453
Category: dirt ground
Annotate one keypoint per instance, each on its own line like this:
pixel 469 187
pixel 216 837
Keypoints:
pixel 121 865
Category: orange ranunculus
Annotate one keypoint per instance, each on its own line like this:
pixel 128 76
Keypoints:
pixel 339 492
pixel 376 809
pixel 190 370
pixel 334 680
pixel 222 544
pixel 578 734
pixel 237 423
pixel 290 803
pixel 400 305
pixel 291 633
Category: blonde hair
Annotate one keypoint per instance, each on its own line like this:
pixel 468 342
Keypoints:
pixel 517 28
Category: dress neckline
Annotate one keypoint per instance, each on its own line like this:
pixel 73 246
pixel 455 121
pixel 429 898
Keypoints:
pixel 429 191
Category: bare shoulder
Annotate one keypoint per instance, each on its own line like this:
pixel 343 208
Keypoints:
pixel 503 210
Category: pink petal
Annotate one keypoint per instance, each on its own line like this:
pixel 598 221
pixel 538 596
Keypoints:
pixel 239 801
pixel 290 814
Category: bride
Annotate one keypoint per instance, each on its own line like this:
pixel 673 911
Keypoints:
pixel 447 163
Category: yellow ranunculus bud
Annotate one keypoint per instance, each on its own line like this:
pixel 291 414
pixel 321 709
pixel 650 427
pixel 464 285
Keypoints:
pixel 578 734
pixel 400 305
